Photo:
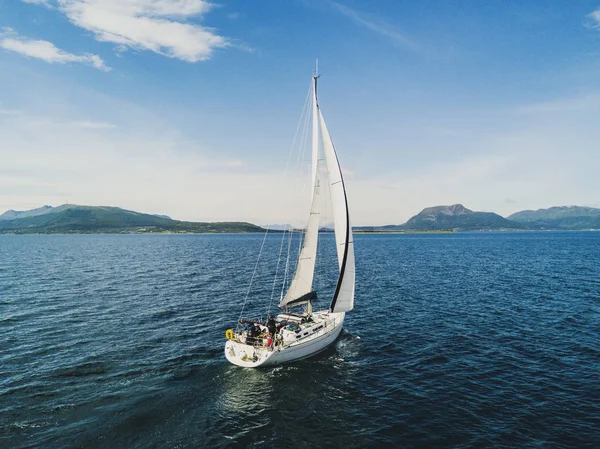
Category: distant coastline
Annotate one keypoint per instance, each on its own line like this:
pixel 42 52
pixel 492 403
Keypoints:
pixel 408 231
pixel 457 218
pixel 77 219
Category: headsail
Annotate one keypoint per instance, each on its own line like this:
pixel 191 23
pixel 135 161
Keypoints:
pixel 343 298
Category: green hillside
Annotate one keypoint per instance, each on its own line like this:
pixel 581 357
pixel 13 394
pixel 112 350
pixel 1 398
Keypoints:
pixel 100 219
pixel 460 218
pixel 554 213
pixel 560 217
pixel 12 214
pixel 450 218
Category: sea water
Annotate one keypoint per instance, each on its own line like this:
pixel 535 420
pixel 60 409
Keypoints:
pixel 457 340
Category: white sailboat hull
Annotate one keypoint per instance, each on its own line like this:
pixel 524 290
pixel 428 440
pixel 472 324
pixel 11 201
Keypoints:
pixel 252 356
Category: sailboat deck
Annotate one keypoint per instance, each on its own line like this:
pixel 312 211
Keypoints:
pixel 293 341
pixel 318 324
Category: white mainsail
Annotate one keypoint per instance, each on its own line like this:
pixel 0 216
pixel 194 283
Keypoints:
pixel 343 298
pixel 303 278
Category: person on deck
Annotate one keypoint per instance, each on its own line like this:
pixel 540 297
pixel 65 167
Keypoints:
pixel 272 326
pixel 253 333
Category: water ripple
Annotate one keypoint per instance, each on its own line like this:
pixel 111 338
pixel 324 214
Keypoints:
pixel 485 340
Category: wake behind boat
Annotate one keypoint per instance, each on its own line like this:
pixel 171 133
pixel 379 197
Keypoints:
pixel 298 332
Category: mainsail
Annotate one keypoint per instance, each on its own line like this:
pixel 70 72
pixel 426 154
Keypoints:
pixel 302 281
pixel 301 285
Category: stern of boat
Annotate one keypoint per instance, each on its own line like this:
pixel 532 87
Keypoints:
pixel 246 355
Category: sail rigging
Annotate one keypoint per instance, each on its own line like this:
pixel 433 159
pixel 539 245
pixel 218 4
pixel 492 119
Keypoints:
pixel 301 285
pixel 302 281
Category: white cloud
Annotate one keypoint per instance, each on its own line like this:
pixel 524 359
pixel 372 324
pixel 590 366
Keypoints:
pixel 150 168
pixel 542 166
pixel 592 20
pixel 46 51
pixel 154 25
pixel 379 27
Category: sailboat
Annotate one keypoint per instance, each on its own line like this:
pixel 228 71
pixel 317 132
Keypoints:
pixel 298 332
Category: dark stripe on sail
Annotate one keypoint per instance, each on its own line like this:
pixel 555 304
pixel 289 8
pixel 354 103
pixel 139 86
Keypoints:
pixel 345 258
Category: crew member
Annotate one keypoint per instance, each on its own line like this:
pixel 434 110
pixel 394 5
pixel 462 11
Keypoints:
pixel 272 326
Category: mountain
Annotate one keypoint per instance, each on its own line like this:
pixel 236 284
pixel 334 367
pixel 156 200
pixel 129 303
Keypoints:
pixel 100 219
pixel 459 218
pixel 554 213
pixel 560 217
pixel 12 214
pixel 449 218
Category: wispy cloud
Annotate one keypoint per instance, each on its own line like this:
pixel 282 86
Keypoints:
pixel 37 2
pixel 159 26
pixel 380 27
pixel 49 160
pixel 580 103
pixel 46 51
pixel 25 120
pixel 11 112
pixel 234 163
pixel 94 125
pixel 592 20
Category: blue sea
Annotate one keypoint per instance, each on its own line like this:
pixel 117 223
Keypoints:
pixel 456 340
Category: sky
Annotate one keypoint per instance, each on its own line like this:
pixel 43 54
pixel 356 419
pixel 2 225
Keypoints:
pixel 189 108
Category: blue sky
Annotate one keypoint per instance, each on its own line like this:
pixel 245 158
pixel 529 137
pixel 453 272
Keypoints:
pixel 189 108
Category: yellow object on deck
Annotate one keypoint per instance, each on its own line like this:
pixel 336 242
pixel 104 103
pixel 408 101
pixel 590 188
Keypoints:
pixel 229 334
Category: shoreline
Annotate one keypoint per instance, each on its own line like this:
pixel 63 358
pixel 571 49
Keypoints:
pixel 407 232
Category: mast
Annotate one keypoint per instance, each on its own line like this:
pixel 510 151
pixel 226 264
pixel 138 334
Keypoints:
pixel 301 286
pixel 315 128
